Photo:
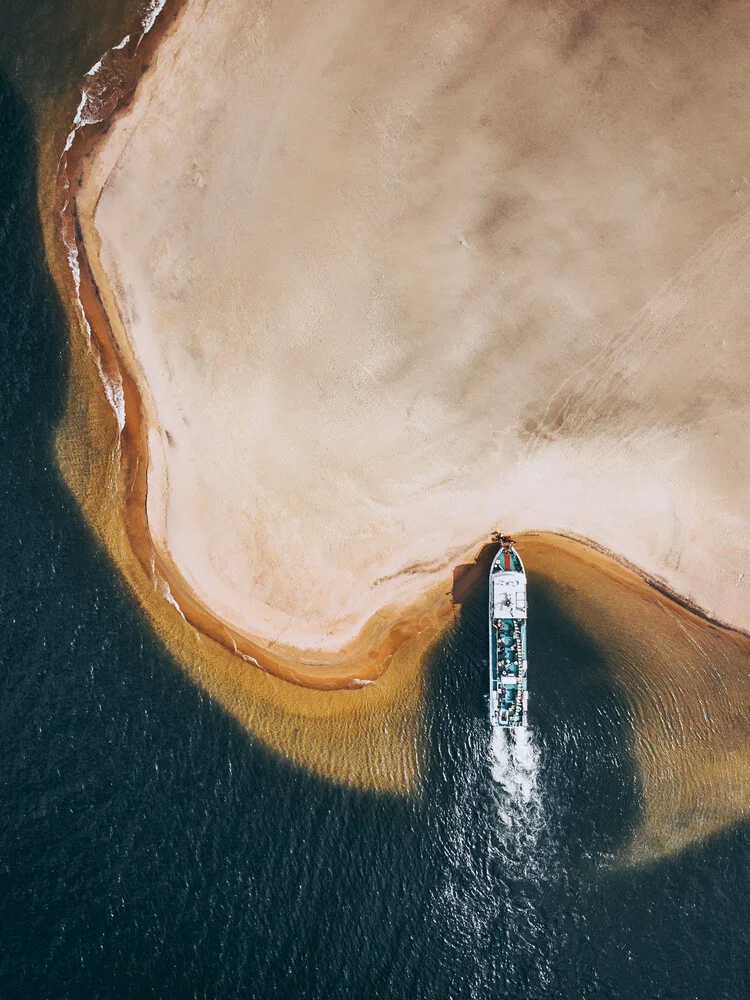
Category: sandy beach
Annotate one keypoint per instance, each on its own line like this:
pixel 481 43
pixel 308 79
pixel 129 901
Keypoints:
pixel 381 280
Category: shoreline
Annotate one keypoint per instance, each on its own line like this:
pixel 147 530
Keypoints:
pixel 374 738
pixel 684 681
pixel 656 583
pixel 359 661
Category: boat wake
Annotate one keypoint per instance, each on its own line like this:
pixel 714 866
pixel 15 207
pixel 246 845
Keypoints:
pixel 494 860
pixel 515 762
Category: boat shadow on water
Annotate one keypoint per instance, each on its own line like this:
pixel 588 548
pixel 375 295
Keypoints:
pixel 569 783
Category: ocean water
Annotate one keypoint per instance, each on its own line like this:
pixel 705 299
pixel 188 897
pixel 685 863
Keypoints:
pixel 149 847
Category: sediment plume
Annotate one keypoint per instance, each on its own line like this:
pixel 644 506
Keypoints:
pixel 685 682
pixel 361 287
pixel 365 736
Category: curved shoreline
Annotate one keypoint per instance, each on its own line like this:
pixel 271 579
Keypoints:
pixel 368 655
pixel 359 662
pixel 373 738
pixel 367 738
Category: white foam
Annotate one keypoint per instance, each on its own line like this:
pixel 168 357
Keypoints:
pixel 96 104
pixel 112 382
pixel 152 12
pixel 164 589
pixel 515 763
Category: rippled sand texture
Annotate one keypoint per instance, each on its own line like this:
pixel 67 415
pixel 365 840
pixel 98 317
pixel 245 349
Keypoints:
pixel 389 274
pixel 687 685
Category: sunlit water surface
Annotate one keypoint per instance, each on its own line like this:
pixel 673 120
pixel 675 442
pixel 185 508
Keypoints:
pixel 150 847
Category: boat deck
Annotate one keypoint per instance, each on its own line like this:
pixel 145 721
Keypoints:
pixel 508 611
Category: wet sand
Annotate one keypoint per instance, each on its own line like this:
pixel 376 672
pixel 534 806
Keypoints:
pixel 366 737
pixel 587 335
pixel 567 431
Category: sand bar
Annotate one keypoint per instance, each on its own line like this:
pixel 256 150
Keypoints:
pixel 380 278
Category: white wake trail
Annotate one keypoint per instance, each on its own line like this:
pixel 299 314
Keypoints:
pixel 515 762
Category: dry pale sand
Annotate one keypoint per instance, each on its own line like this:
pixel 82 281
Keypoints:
pixel 390 275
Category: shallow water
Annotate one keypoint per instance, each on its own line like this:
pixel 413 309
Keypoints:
pixel 150 847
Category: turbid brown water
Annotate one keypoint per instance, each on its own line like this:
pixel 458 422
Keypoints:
pixel 152 846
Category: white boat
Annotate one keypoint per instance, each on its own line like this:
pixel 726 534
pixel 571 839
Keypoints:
pixel 509 696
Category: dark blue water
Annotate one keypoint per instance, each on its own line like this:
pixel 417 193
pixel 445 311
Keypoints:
pixel 150 848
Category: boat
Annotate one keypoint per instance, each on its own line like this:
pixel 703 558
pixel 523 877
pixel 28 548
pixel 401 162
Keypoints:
pixel 509 696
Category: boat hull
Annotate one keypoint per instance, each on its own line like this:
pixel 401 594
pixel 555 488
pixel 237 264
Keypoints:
pixel 509 696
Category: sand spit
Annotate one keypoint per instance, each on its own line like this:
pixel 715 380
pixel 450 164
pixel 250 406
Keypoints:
pixel 521 277
pixel 427 269
pixel 366 737
pixel 358 662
